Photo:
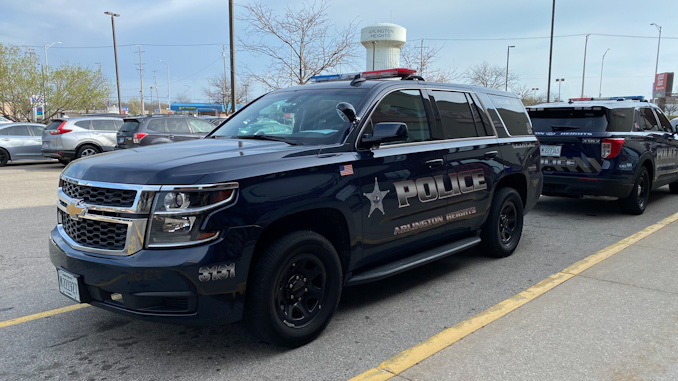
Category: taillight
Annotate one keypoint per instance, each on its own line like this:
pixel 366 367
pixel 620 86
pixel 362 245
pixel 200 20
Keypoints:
pixel 60 130
pixel 611 147
pixel 138 136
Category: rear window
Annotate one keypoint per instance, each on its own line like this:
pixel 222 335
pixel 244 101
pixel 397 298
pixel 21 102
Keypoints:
pixel 130 126
pixel 54 125
pixel 512 112
pixel 570 120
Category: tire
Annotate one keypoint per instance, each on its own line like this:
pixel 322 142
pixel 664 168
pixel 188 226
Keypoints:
pixel 294 289
pixel 636 202
pixel 504 226
pixel 4 157
pixel 673 188
pixel 87 150
pixel 64 161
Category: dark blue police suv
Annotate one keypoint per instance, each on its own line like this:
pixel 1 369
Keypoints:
pixel 621 147
pixel 300 193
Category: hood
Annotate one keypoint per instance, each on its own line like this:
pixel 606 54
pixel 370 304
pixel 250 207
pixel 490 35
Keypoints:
pixel 183 162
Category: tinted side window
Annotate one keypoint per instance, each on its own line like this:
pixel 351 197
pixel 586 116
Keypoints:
pixel 17 131
pixel 156 125
pixel 102 125
pixel 177 126
pixel 36 130
pixel 664 122
pixel 405 106
pixel 83 124
pixel 483 124
pixel 494 116
pixel 200 126
pixel 455 114
pixel 647 121
pixel 513 114
pixel 620 119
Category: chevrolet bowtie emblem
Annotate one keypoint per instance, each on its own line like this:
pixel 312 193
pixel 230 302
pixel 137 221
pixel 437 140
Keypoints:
pixel 75 210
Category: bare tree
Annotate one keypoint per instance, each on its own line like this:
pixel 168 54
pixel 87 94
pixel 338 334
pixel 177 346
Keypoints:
pixel 422 58
pixel 219 89
pixel 182 98
pixel 299 42
pixel 487 75
pixel 671 106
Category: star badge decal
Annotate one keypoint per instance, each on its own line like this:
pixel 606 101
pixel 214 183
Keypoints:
pixel 376 198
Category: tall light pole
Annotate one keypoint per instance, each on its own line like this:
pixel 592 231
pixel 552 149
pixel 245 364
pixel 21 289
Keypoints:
pixel 168 86
pixel 583 72
pixel 508 49
pixel 656 65
pixel 553 18
pixel 600 88
pixel 232 51
pixel 560 82
pixel 46 71
pixel 115 53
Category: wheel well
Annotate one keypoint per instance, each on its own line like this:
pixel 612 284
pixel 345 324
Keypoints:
pixel 9 157
pixel 87 144
pixel 648 165
pixel 330 223
pixel 516 181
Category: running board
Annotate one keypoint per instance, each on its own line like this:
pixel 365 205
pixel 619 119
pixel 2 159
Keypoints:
pixel 411 262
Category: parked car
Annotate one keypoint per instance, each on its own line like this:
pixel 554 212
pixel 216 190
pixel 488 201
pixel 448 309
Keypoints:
pixel 301 192
pixel 215 120
pixel 73 138
pixel 621 147
pixel 20 141
pixel 4 120
pixel 157 129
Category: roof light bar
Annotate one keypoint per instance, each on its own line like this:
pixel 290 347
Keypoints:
pixel 374 74
pixel 625 97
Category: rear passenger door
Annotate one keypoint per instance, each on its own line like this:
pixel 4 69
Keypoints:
pixel 471 157
pixel 104 132
pixel 155 128
pixel 400 182
pixel 178 130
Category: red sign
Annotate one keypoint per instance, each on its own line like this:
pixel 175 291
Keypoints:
pixel 663 85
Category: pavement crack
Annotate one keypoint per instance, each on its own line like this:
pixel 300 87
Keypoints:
pixel 630 285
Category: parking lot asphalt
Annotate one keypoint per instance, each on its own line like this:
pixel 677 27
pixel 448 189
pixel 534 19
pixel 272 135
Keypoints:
pixel 610 316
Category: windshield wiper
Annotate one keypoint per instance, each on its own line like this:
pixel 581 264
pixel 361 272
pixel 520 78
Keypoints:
pixel 265 137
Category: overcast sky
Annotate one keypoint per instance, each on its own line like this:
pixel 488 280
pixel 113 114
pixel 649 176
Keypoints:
pixel 187 36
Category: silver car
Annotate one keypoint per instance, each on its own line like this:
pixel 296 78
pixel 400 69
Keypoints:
pixel 20 141
pixel 73 138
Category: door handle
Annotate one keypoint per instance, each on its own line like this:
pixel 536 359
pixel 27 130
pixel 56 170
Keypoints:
pixel 171 137
pixel 490 155
pixel 434 163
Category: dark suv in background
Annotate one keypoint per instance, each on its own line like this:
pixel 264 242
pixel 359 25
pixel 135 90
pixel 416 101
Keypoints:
pixel 157 129
pixel 616 147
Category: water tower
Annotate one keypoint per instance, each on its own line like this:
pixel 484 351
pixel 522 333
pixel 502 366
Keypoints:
pixel 382 42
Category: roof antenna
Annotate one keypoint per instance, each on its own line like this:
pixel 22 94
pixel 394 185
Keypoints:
pixel 357 80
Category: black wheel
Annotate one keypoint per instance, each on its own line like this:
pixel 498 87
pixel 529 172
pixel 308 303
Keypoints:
pixel 64 161
pixel 502 230
pixel 636 202
pixel 87 150
pixel 294 289
pixel 4 157
pixel 673 188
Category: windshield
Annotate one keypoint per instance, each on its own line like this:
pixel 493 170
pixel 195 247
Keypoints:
pixel 306 117
pixel 569 120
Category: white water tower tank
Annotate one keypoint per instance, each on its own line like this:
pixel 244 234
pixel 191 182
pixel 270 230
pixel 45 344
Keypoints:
pixel 382 42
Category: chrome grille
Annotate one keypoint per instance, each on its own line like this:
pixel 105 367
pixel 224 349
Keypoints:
pixel 100 196
pixel 95 234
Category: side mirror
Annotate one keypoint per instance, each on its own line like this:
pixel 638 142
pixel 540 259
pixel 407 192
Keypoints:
pixel 385 132
pixel 346 112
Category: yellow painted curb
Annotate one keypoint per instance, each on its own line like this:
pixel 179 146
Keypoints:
pixel 41 315
pixel 412 356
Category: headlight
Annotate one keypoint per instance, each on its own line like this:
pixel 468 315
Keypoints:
pixel 179 213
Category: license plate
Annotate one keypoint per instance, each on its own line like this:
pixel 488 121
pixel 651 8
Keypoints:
pixel 68 285
pixel 45 144
pixel 121 140
pixel 550 150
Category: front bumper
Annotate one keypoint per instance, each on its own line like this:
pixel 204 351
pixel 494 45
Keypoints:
pixel 199 285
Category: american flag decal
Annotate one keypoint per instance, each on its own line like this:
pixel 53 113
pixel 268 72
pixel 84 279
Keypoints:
pixel 346 170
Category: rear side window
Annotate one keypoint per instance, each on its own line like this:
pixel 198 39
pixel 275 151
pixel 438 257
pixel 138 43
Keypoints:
pixel 200 126
pixel 83 124
pixel 455 114
pixel 156 125
pixel 16 131
pixel 647 121
pixel 36 130
pixel 620 119
pixel 513 114
pixel 103 125
pixel 664 121
pixel 130 126
pixel 177 126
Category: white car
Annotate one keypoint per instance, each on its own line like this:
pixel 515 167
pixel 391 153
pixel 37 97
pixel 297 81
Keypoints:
pixel 4 120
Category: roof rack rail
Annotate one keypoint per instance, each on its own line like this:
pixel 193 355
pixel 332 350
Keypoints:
pixel 403 73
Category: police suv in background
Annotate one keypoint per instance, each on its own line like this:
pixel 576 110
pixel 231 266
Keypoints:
pixel 302 192
pixel 620 146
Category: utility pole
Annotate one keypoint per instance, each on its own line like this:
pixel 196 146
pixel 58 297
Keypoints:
pixel 230 28
pixel 553 19
pixel 115 53
pixel 141 77
pixel 583 73
pixel 225 90
pixel 155 80
pixel 151 100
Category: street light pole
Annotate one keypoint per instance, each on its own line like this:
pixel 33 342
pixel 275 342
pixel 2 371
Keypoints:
pixel 656 65
pixel 115 53
pixel 600 88
pixel 508 49
pixel 168 86
pixel 583 73
pixel 560 82
pixel 548 85
pixel 44 90
pixel 232 51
